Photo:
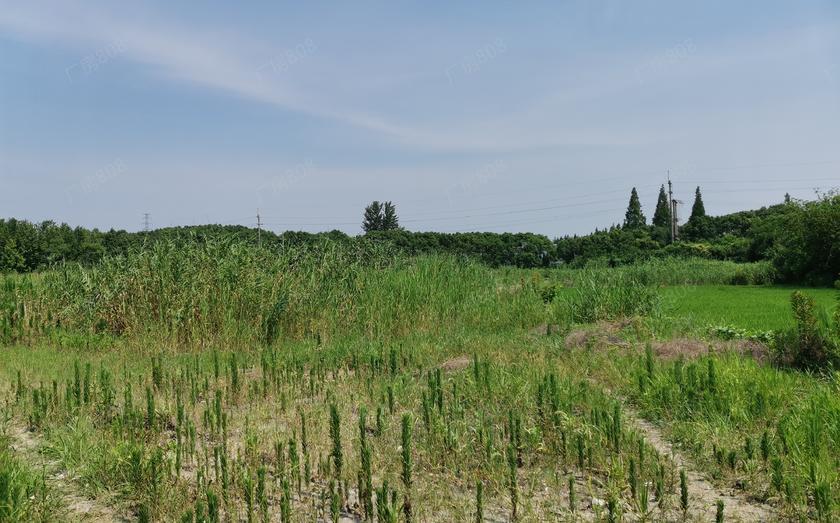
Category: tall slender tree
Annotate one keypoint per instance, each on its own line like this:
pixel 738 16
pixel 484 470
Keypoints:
pixel 698 210
pixel 662 215
pixel 634 218
pixel 372 220
pixel 390 221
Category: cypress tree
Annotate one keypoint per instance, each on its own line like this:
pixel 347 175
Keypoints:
pixel 634 218
pixel 697 210
pixel 662 215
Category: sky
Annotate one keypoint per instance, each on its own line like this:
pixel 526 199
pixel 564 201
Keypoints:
pixel 489 116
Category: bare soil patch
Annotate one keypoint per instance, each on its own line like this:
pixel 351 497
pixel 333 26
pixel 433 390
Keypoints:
pixel 703 495
pixel 608 334
pixel 77 506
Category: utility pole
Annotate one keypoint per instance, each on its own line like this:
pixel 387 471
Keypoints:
pixel 259 230
pixel 674 219
pixel 671 208
pixel 146 221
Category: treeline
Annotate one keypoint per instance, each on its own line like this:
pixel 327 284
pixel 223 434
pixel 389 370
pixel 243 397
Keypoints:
pixel 26 246
pixel 802 239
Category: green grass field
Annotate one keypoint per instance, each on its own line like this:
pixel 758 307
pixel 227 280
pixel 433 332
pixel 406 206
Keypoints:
pixel 755 308
pixel 215 383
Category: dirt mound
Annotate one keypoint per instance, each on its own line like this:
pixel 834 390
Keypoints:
pixel 757 350
pixel 608 334
pixel 456 364
pixel 602 334
pixel 680 347
pixel 690 348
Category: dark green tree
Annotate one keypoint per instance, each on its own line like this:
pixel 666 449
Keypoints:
pixel 662 215
pixel 634 218
pixel 373 217
pixel 380 216
pixel 390 221
pixel 11 260
pixel 698 210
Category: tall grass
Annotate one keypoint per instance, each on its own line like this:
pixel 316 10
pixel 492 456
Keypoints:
pixel 679 271
pixel 604 295
pixel 723 408
pixel 225 292
pixel 23 493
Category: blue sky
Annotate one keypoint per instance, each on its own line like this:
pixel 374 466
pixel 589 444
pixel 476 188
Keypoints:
pixel 496 116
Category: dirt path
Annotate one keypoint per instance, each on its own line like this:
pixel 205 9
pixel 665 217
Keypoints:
pixel 702 494
pixel 75 505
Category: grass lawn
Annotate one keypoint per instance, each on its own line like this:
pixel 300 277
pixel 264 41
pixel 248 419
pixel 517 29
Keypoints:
pixel 748 307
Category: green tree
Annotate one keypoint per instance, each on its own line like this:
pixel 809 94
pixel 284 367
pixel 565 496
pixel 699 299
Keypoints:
pixel 662 215
pixel 380 216
pixel 634 218
pixel 10 258
pixel 390 221
pixel 806 241
pixel 698 210
pixel 373 217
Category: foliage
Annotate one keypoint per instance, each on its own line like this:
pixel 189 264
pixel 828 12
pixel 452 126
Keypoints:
pixel 698 210
pixel 227 291
pixel 809 247
pixel 606 295
pixel 717 405
pixel 250 423
pixel 495 250
pixel 662 214
pixel 815 342
pixel 380 217
pixel 23 494
pixel 683 271
pixel 800 238
pixel 634 218
pixel 729 332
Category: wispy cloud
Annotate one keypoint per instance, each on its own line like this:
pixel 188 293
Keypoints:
pixel 234 65
pixel 181 53
pixel 562 112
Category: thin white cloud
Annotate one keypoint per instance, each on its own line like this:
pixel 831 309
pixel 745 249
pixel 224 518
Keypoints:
pixel 229 65
pixel 181 53
pixel 566 114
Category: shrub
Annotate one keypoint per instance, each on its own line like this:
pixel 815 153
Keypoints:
pixel 813 343
pixel 807 250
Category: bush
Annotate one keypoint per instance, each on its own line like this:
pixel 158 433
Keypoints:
pixel 814 343
pixel 808 244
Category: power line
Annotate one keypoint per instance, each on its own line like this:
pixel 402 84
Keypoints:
pixel 455 214
pixel 146 221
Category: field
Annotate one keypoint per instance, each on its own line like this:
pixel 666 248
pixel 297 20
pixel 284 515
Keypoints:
pixel 221 382
pixel 757 308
